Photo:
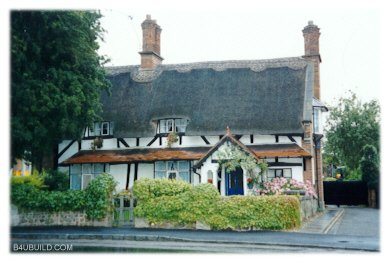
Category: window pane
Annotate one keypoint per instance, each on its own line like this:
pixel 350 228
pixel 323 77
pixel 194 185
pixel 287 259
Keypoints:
pixel 107 167
pixel 111 128
pixel 271 173
pixel 86 179
pixel 97 128
pixel 185 176
pixel 98 168
pixel 169 125
pixel 180 125
pixel 75 180
pixel 163 126
pixel 87 168
pixel 160 166
pixel 91 132
pixel 105 128
pixel 287 173
pixel 75 169
pixel 278 173
pixel 184 165
pixel 172 166
pixel 160 175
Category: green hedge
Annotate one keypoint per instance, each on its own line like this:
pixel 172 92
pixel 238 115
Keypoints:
pixel 95 200
pixel 182 204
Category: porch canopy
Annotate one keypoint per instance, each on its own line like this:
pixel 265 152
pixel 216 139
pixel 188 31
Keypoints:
pixel 184 153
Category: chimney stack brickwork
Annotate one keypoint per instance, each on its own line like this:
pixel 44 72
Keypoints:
pixel 311 34
pixel 150 54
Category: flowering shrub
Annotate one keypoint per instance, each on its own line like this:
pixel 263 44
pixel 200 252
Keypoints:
pixel 280 185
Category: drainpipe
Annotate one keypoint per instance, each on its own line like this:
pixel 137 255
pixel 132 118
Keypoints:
pixel 316 140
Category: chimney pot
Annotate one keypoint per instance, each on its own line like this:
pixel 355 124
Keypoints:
pixel 148 17
pixel 310 22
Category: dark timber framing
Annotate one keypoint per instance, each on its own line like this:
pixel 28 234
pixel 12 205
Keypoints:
pixel 153 140
pixel 205 139
pixel 128 176
pixel 251 136
pixel 291 138
pixel 65 149
pixel 277 164
pixel 137 142
pixel 135 171
pixel 123 142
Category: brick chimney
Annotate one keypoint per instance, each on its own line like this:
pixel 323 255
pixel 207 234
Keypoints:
pixel 150 54
pixel 311 34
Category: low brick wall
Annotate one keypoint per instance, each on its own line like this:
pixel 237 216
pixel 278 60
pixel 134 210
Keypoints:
pixel 309 207
pixel 20 218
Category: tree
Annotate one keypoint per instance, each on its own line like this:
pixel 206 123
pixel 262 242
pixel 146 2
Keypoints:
pixel 369 165
pixel 350 126
pixel 56 79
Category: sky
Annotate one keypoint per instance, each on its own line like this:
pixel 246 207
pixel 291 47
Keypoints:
pixel 349 41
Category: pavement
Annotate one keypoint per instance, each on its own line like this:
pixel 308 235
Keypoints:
pixel 338 229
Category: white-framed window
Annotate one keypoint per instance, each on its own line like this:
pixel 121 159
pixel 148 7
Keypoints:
pixel 172 125
pixel 172 170
pixel 101 129
pixel 82 174
pixel 105 128
pixel 280 172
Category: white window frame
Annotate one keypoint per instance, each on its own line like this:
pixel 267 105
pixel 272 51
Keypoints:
pixel 108 128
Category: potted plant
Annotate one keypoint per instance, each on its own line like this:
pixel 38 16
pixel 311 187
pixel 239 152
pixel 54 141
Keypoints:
pixel 171 139
pixel 249 182
pixel 97 143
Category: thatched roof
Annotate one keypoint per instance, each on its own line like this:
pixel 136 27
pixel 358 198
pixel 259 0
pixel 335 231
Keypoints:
pixel 251 97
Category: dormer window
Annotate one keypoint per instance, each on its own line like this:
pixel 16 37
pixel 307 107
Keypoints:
pixel 172 125
pixel 104 128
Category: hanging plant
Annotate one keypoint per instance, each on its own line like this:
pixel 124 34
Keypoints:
pixel 97 143
pixel 171 139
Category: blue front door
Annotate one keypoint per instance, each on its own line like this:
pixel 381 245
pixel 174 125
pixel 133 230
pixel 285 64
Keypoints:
pixel 234 182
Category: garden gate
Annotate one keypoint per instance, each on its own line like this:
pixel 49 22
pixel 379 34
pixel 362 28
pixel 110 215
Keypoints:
pixel 123 211
pixel 346 193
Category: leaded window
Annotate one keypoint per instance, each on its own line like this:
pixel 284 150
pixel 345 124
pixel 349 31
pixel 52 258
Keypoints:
pixel 172 170
pixel 283 172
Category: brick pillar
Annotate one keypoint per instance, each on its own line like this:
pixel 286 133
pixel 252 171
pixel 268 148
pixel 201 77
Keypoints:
pixel 319 180
pixel 150 54
pixel 311 34
pixel 307 144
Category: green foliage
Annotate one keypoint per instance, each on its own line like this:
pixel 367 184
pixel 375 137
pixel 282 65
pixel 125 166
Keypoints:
pixel 146 189
pixel 187 205
pixel 95 200
pixel 370 166
pixel 56 180
pixel 56 78
pixel 260 212
pixel 351 125
pixel 329 179
pixel 353 175
pixel 35 179
pixel 232 157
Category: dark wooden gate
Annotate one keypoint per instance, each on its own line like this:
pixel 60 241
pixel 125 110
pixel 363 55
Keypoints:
pixel 345 193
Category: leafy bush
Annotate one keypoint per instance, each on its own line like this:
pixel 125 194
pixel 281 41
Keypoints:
pixel 203 203
pixel 353 175
pixel 369 165
pixel 35 179
pixel 95 200
pixel 98 196
pixel 56 180
pixel 146 189
pixel 260 212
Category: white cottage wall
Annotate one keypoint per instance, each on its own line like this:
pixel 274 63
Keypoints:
pixel 145 170
pixel 119 172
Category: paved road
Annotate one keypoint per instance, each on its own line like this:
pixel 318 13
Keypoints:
pixel 358 221
pixel 269 238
